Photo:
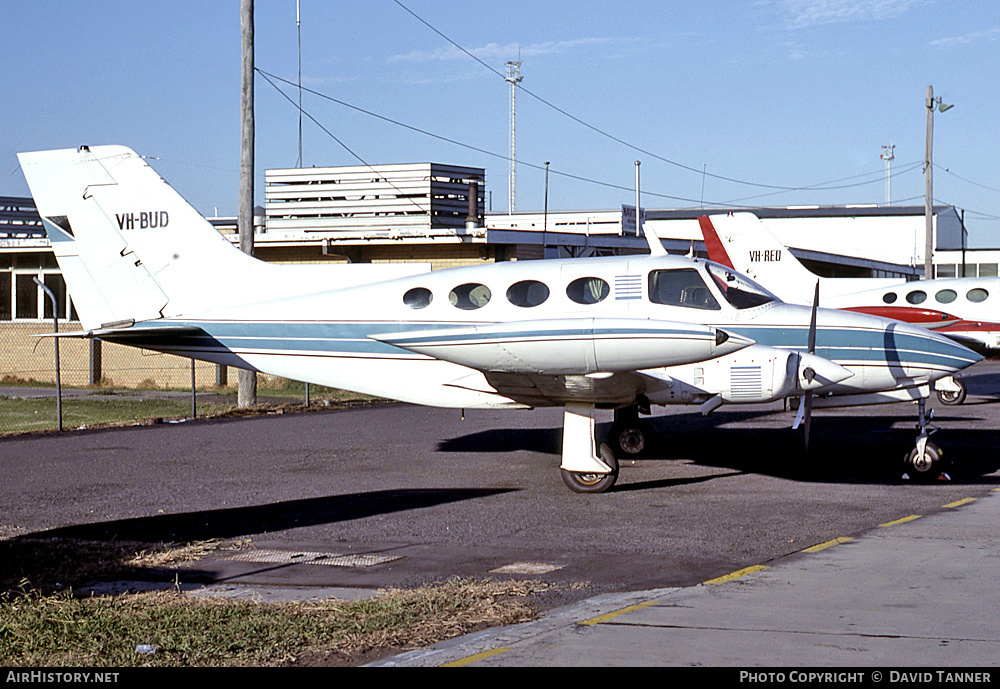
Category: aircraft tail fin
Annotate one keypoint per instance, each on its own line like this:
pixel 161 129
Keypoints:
pixel 129 245
pixel 107 281
pixel 742 242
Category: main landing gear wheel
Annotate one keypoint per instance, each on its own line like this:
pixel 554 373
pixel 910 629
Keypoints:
pixel 631 438
pixel 926 466
pixel 584 482
pixel 953 397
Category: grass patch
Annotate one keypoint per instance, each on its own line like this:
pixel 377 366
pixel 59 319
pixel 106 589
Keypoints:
pixel 61 630
pixel 21 415
pixel 44 624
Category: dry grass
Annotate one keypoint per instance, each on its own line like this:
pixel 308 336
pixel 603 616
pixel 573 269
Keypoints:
pixel 43 623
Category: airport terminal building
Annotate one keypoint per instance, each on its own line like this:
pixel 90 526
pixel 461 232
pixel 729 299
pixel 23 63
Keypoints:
pixel 433 213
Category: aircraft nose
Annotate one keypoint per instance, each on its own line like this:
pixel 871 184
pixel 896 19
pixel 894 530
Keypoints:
pixel 917 347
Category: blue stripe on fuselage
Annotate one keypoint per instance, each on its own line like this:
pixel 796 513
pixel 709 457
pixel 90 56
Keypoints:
pixel 842 345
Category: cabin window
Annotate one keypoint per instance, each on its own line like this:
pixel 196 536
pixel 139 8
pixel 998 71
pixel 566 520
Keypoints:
pixel 889 297
pixel 588 290
pixel 527 293
pixel 683 287
pixel 916 297
pixel 418 298
pixel 470 296
pixel 978 294
pixel 946 296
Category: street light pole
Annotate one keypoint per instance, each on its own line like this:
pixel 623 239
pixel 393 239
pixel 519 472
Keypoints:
pixel 931 103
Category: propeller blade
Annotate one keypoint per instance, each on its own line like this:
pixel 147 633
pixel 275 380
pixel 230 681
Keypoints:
pixel 799 414
pixel 805 406
pixel 812 321
pixel 807 403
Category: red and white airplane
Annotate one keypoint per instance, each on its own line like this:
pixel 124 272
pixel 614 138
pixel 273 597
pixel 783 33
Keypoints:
pixel 966 310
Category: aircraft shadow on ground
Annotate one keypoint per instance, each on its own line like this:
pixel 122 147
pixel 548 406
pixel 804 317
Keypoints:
pixel 81 554
pixel 855 448
pixel 842 449
pixel 234 522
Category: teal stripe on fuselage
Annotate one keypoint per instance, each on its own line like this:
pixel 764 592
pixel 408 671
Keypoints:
pixel 856 345
pixel 843 345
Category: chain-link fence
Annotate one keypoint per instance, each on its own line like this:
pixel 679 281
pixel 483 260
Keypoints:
pixel 101 383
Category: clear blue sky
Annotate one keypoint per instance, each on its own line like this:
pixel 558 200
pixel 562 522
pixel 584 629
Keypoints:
pixel 772 93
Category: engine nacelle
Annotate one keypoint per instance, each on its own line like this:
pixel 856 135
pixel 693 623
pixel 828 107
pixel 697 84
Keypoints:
pixel 755 374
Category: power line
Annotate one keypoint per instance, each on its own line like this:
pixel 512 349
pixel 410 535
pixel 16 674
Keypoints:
pixel 587 124
pixel 819 186
pixel 969 181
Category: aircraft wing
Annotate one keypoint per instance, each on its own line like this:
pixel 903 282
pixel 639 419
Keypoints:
pixel 569 346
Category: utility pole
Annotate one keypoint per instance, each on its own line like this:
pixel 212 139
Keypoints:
pixel 931 103
pixel 514 78
pixel 888 156
pixel 298 29
pixel 247 392
pixel 545 222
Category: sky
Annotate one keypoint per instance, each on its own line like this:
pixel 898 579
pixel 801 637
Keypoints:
pixel 724 104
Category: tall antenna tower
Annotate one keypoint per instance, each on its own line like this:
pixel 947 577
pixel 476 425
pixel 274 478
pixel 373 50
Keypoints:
pixel 514 78
pixel 887 156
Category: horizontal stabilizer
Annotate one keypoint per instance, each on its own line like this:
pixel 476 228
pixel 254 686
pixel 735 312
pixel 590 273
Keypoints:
pixel 128 335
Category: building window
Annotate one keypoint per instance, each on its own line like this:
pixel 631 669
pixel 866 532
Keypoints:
pixel 945 270
pixel 6 295
pixel 26 297
pixel 987 270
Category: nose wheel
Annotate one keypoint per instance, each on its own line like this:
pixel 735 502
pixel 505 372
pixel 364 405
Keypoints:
pixel 925 459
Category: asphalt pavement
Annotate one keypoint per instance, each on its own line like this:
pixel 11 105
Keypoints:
pixel 918 592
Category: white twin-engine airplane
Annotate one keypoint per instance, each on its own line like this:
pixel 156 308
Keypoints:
pixel 623 333
pixel 966 310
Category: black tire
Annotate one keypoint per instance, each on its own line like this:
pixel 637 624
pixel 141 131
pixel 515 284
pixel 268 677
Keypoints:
pixel 931 467
pixel 631 438
pixel 583 482
pixel 951 397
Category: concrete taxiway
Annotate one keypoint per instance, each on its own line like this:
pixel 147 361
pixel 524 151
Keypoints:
pixel 920 591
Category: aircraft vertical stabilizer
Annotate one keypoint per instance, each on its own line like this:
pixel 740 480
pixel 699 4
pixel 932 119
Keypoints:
pixel 108 283
pixel 741 241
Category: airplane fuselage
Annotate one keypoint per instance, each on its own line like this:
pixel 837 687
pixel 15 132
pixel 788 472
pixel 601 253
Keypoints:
pixel 451 337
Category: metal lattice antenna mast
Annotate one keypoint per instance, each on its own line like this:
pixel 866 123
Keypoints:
pixel 514 78
pixel 887 156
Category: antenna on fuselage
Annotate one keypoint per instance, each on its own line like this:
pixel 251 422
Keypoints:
pixel 655 245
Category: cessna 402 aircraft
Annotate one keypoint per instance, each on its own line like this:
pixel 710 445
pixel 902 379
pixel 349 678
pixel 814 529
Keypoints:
pixel 624 333
pixel 964 309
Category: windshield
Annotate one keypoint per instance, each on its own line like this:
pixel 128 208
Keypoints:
pixel 739 290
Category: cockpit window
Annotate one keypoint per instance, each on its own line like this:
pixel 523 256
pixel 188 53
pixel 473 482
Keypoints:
pixel 739 290
pixel 527 293
pixel 681 287
pixel 588 290
pixel 470 296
